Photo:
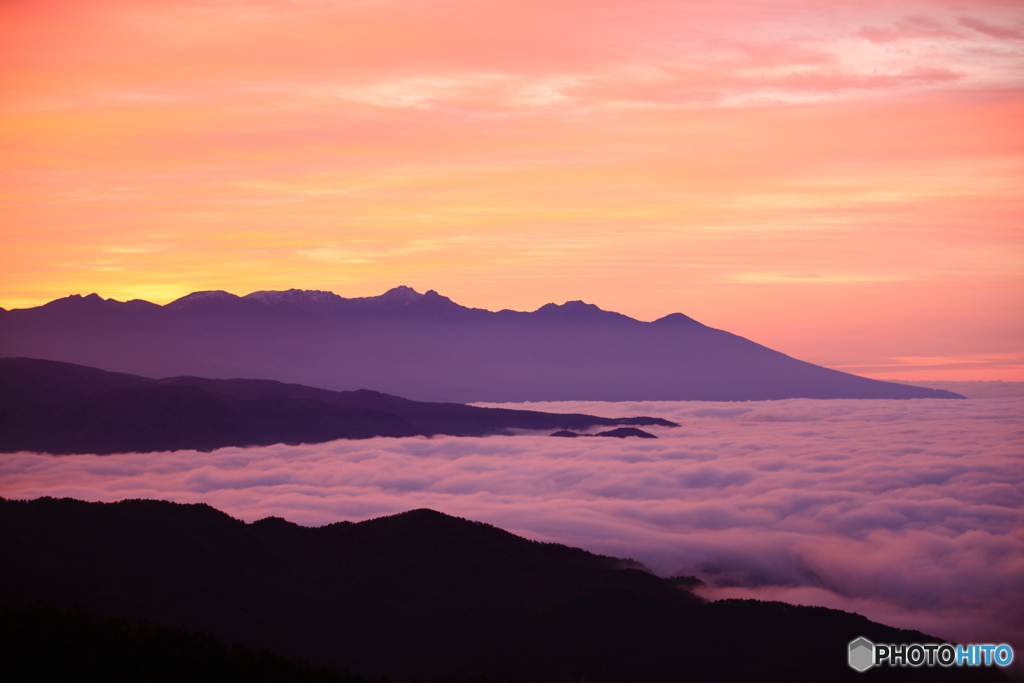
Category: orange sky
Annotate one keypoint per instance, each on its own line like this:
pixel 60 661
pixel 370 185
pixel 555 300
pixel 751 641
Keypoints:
pixel 840 181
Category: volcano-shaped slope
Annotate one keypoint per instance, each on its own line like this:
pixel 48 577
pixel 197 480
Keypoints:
pixel 426 347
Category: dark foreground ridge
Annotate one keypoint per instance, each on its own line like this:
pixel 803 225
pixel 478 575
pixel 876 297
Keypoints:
pixel 61 408
pixel 419 595
pixel 426 347
pixel 42 643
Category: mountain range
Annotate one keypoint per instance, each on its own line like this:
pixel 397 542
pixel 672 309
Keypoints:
pixel 425 347
pixel 62 408
pixel 414 596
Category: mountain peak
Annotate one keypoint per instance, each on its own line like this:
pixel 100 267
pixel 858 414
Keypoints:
pixel 570 307
pixel 579 311
pixel 402 342
pixel 78 303
pixel 296 297
pixel 432 295
pixel 401 295
pixel 204 297
pixel 676 319
pixel 77 298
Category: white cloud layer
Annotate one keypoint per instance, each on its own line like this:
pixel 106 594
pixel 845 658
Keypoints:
pixel 909 512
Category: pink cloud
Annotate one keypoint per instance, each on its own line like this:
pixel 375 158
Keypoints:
pixel 760 166
pixel 909 512
pixel 995 31
pixel 909 28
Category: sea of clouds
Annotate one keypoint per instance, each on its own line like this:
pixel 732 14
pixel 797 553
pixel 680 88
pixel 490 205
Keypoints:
pixel 909 512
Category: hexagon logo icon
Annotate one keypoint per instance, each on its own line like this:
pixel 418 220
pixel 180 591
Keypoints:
pixel 862 654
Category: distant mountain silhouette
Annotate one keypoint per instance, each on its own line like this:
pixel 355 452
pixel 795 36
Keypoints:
pixel 426 347
pixel 420 594
pixel 623 432
pixel 620 433
pixel 52 407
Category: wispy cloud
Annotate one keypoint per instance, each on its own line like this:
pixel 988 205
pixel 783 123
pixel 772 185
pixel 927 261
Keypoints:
pixel 862 159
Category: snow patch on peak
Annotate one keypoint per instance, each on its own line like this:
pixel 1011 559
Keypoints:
pixel 399 295
pixel 299 297
pixel 209 296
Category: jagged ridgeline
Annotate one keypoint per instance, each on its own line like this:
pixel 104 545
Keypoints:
pixel 425 347
pixel 418 595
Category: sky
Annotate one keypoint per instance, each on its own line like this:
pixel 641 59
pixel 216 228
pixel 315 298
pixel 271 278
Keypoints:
pixel 839 181
pixel 908 512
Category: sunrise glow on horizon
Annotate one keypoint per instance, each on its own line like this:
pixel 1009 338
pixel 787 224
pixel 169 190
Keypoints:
pixel 841 182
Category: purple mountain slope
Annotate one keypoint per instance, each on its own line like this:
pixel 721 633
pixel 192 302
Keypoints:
pixel 425 347
pixel 53 407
